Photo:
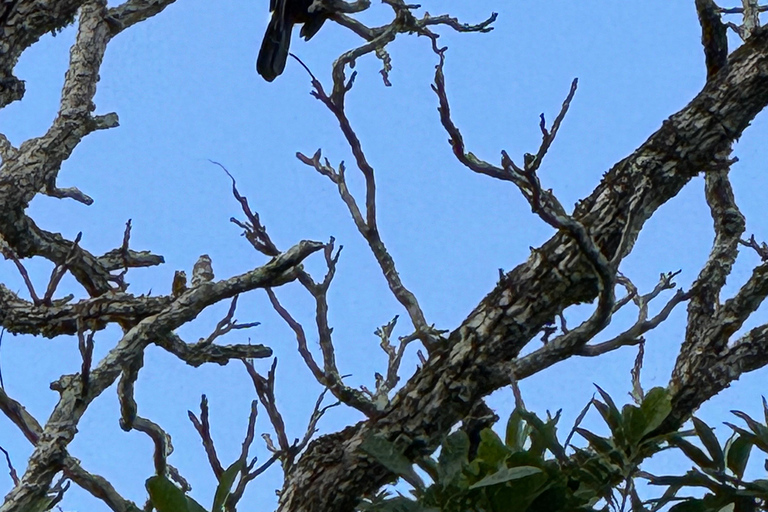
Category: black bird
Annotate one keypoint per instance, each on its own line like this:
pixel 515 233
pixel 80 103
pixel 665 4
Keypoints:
pixel 274 49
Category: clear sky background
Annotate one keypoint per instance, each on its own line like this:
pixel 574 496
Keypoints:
pixel 185 88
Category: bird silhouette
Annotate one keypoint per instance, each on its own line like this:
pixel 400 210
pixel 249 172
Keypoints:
pixel 277 40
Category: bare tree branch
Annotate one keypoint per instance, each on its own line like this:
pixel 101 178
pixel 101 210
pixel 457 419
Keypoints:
pixel 480 351
pixel 713 36
pixel 203 428
pixel 11 469
pixel 98 486
pixel 134 11
pixel 60 428
pixel 579 264
pixel 329 376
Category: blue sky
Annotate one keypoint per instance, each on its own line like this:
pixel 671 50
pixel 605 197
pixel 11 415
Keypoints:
pixel 185 88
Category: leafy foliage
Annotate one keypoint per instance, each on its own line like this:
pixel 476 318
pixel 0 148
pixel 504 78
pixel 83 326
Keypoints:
pixel 720 471
pixel 165 496
pixel 530 470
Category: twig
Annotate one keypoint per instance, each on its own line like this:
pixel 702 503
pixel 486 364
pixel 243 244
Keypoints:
pixel 52 190
pixel 225 325
pixel 85 345
pixel 561 347
pixel 404 21
pixel 329 376
pixel 20 417
pixel 265 389
pixel 367 224
pixel 125 257
pixel 254 231
pixel 548 208
pixel 633 335
pixel 11 469
pixel 196 354
pixel 58 490
pixel 637 393
pixel 740 10
pixel 760 248
pixel 317 413
pixel 2 332
pixel 9 253
pixel 246 469
pixel 203 428
pixel 130 420
pixel 60 270
pixel 394 356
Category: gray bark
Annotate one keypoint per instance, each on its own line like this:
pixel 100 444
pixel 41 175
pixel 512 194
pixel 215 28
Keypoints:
pixel 333 474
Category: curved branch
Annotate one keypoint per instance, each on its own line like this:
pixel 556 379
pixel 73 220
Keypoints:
pixel 333 473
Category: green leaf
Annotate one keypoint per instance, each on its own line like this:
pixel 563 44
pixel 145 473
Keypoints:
pixel 754 425
pixel 544 435
pixel 578 421
pixel 655 408
pixel 608 411
pixel 506 475
pixel 491 450
pixel 760 484
pixel 761 431
pixel 194 506
pixel 525 459
pixel 517 432
pixel 694 453
pixel 765 410
pixel 225 485
pixel 744 433
pixel 737 450
pixel 641 421
pixel 473 468
pixel 165 496
pixel 515 496
pixel 387 454
pixel 554 499
pixel 710 442
pixel 691 479
pixel 599 444
pixel 453 455
pixel 669 495
pixel 634 423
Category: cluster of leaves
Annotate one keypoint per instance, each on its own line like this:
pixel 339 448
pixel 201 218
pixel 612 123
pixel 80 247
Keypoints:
pixel 719 471
pixel 530 470
pixel 165 496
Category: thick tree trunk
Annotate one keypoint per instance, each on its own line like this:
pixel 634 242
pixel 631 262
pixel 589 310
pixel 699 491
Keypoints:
pixel 333 474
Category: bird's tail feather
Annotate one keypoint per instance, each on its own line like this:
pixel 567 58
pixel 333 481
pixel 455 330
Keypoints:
pixel 274 49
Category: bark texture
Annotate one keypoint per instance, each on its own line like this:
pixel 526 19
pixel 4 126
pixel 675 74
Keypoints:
pixel 333 474
pixel 577 265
